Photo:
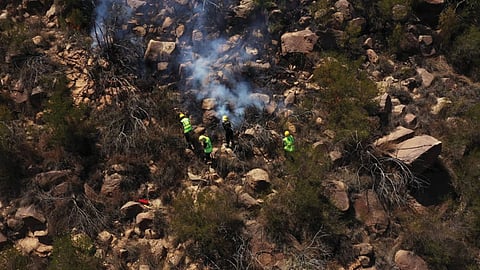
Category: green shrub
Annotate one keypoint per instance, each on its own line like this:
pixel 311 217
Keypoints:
pixel 12 259
pixel 74 254
pixel 468 186
pixel 71 128
pixel 465 53
pixel 212 221
pixel 385 7
pixel 300 208
pixel 76 14
pixel 449 24
pixel 347 96
pixel 440 241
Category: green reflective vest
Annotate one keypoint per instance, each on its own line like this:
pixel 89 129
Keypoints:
pixel 187 127
pixel 207 145
pixel 288 143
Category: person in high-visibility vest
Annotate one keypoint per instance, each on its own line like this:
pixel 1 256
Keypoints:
pixel 187 130
pixel 207 147
pixel 288 145
pixel 227 126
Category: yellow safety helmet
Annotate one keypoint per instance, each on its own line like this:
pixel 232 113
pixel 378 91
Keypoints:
pixel 287 133
pixel 225 118
pixel 181 115
pixel 202 137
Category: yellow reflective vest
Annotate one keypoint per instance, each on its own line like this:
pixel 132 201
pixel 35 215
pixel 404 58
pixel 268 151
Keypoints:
pixel 187 127
pixel 288 143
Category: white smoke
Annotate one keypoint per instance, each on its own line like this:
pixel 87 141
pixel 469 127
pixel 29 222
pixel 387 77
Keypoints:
pixel 216 68
pixel 109 15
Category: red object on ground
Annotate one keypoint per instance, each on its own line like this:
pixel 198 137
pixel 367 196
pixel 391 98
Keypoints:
pixel 144 201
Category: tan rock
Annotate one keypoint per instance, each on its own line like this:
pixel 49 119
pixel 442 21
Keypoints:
pixel 301 42
pixel 111 185
pixel 143 220
pixel 258 179
pixel 30 216
pixel 410 120
pixel 159 51
pixel 208 104
pixel 427 77
pixel 397 135
pixel 337 192
pixel 50 178
pixel 369 210
pixel 28 245
pixel 105 238
pixel 419 151
pixel 372 56
pixel 407 260
pixel 442 103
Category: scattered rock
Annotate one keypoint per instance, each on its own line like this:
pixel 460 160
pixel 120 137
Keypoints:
pixel 427 77
pixel 105 238
pixel 442 103
pixel 363 249
pixel 410 120
pixel 372 56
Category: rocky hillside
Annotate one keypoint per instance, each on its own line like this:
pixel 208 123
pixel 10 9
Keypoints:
pixel 381 98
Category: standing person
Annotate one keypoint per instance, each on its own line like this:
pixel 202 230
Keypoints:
pixel 288 145
pixel 207 148
pixel 227 126
pixel 187 130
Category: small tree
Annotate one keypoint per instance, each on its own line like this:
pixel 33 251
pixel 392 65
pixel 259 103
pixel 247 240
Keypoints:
pixel 212 221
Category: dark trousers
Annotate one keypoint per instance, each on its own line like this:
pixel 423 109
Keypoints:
pixel 289 156
pixel 189 139
pixel 229 137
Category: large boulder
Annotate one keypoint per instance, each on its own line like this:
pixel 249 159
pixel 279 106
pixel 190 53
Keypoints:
pixel 419 152
pixel 300 42
pixel 111 185
pixel 337 192
pixel 131 209
pixel 407 260
pixel 159 52
pixel 30 217
pixel 51 178
pixel 144 220
pixel 369 211
pixel 257 180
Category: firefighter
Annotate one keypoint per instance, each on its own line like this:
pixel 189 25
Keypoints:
pixel 207 148
pixel 187 130
pixel 288 145
pixel 227 126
